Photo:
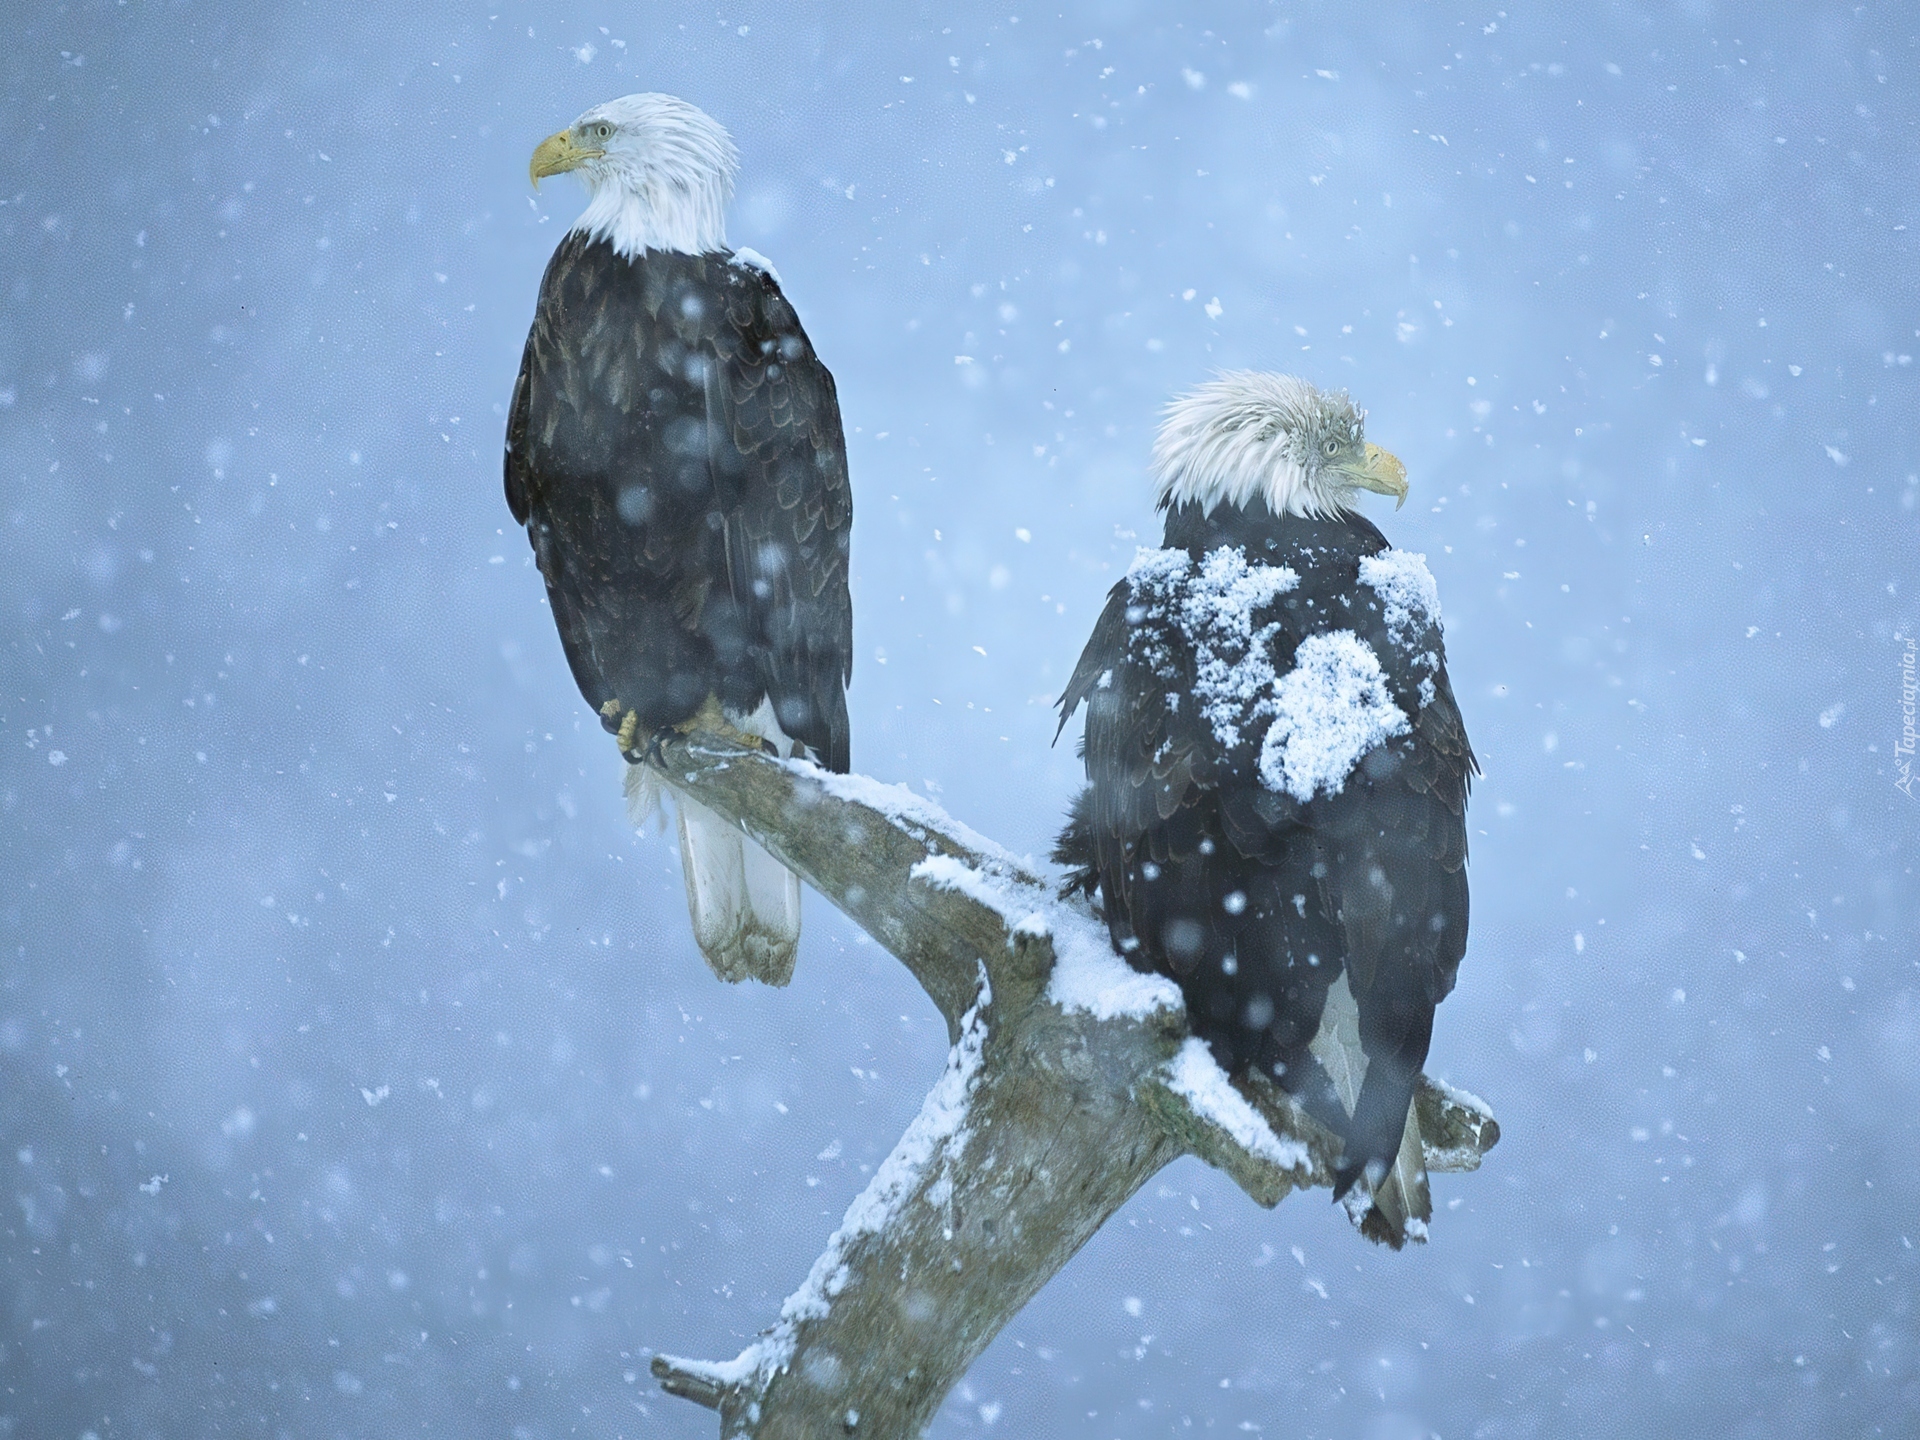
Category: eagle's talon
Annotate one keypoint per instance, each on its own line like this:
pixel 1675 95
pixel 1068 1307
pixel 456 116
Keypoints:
pixel 629 723
pixel 656 744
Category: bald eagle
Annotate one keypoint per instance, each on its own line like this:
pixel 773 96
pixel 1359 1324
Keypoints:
pixel 1276 810
pixel 674 449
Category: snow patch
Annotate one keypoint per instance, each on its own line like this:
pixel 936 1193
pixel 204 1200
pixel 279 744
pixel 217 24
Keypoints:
pixel 1410 605
pixel 1358 1203
pixel 1087 975
pixel 1035 925
pixel 1408 594
pixel 1211 606
pixel 1197 1078
pixel 1331 709
pixel 1154 567
pixel 1452 1159
pixel 748 259
pixel 915 814
pixel 946 872
pixel 1465 1099
pixel 1319 718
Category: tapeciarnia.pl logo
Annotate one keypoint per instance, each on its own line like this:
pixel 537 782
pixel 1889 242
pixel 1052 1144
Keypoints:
pixel 1903 747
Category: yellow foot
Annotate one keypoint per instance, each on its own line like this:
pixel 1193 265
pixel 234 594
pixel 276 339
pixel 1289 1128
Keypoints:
pixel 629 725
pixel 713 720
pixel 709 717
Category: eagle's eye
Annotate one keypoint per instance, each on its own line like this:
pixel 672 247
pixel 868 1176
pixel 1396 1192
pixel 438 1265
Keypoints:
pixel 602 130
pixel 1332 447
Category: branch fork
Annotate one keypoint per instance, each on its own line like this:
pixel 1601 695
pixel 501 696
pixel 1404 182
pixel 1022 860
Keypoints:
pixel 1070 1082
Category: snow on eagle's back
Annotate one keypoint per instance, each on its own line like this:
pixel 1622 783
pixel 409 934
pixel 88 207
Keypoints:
pixel 1313 723
pixel 1330 710
pixel 1212 605
pixel 1408 594
pixel 1410 605
pixel 748 259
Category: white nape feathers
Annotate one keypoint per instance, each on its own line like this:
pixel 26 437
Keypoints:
pixel 660 179
pixel 1247 435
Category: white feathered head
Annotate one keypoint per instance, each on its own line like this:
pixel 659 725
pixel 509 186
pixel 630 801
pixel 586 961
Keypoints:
pixel 1248 434
pixel 658 171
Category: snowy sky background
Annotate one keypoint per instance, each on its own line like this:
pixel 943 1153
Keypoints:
pixel 316 897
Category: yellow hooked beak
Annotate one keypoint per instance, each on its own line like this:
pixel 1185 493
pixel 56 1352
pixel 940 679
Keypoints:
pixel 1383 474
pixel 558 154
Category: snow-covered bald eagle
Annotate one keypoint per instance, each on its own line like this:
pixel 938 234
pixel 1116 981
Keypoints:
pixel 1276 813
pixel 674 449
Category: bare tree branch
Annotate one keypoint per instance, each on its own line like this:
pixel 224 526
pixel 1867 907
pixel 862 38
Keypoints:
pixel 1071 1080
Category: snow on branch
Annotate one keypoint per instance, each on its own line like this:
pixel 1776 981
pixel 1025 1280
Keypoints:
pixel 1070 1082
pixel 933 1144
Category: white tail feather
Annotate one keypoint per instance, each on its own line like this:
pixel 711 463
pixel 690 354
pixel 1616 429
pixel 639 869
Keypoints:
pixel 744 903
pixel 1402 1197
pixel 643 796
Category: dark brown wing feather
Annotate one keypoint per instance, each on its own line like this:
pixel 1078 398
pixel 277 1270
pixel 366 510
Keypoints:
pixel 1248 897
pixel 776 415
pixel 675 450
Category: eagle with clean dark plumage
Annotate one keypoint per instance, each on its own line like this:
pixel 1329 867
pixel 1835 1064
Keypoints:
pixel 674 449
pixel 1276 813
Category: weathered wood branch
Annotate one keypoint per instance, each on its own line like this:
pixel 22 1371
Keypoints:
pixel 1071 1081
